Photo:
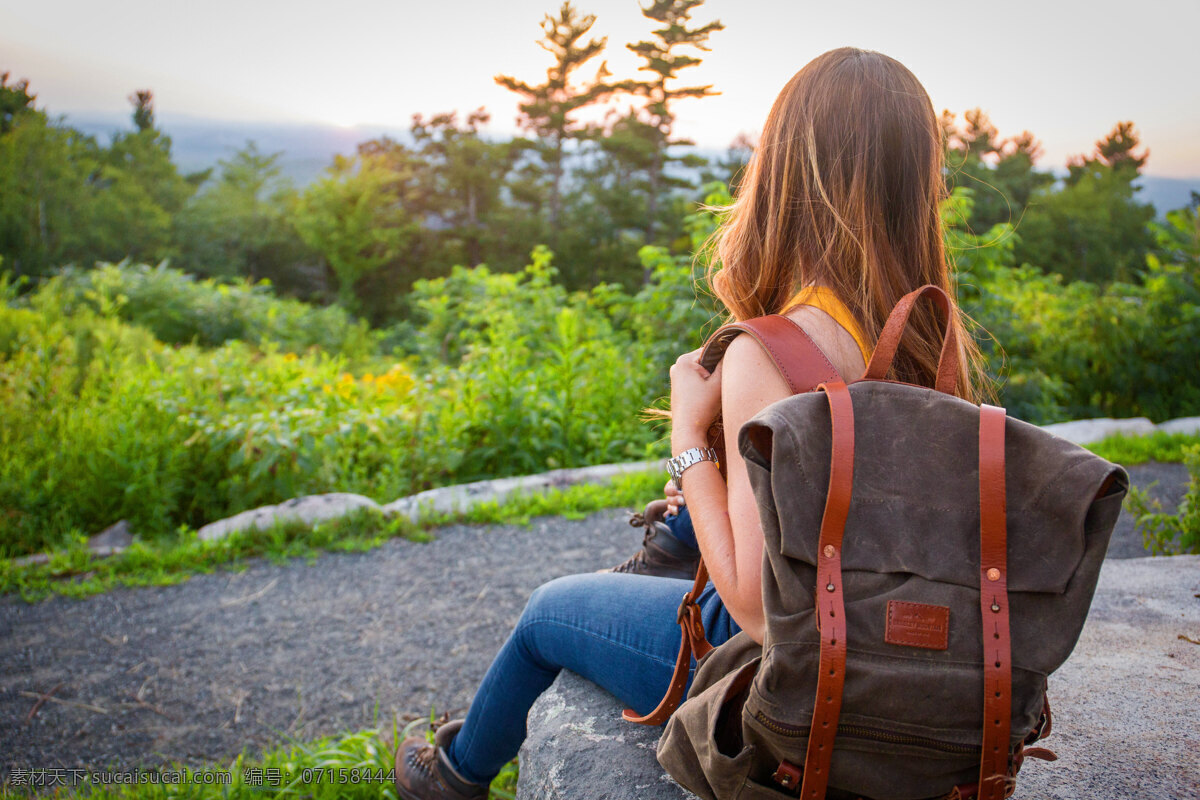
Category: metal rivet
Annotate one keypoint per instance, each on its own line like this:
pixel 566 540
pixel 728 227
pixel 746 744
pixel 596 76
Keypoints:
pixel 996 607
pixel 993 574
pixel 829 551
pixel 829 587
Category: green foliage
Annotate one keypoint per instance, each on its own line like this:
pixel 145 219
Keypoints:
pixel 47 203
pixel 101 421
pixel 1165 533
pixel 1161 447
pixel 348 766
pixel 999 172
pixel 543 380
pixel 352 217
pixel 1093 228
pixel 239 225
pixel 179 309
pixel 1081 350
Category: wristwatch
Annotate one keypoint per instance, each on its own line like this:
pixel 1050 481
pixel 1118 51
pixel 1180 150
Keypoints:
pixel 689 457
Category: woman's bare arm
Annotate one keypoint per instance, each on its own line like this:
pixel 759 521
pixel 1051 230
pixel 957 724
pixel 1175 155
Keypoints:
pixel 725 517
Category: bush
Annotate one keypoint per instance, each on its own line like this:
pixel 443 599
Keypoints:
pixel 1171 534
pixel 179 309
pixel 1080 350
pixel 100 421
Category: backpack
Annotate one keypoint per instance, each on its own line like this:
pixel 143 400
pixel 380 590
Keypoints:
pixel 927 564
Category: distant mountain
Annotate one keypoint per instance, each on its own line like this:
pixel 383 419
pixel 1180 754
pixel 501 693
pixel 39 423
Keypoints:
pixel 198 143
pixel 1167 194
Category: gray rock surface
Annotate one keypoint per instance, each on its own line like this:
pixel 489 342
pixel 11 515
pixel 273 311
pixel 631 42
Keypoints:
pixel 309 508
pixel 112 539
pixel 1189 425
pixel 462 497
pixel 1126 721
pixel 1086 431
pixel 579 747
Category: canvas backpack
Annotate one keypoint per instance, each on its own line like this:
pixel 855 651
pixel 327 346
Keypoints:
pixel 927 564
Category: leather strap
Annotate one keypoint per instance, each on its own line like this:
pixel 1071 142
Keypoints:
pixel 993 602
pixel 693 640
pixel 830 603
pixel 804 366
pixel 801 363
pixel 893 329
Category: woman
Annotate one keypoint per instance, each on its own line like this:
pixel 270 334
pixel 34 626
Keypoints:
pixel 837 218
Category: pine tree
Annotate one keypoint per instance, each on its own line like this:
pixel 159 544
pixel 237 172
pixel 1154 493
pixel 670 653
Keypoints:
pixel 548 108
pixel 14 99
pixel 1093 228
pixel 664 60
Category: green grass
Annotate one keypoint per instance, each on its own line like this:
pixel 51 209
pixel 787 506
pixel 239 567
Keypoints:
pixel 346 767
pixel 1130 450
pixel 73 572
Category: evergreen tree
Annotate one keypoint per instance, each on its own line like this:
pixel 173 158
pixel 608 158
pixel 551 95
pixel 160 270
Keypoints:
pixel 664 59
pixel 143 109
pixel 238 224
pixel 463 176
pixel 608 210
pixel 139 191
pixel 547 108
pixel 1093 228
pixel 14 99
pixel 354 220
pixel 1000 173
pixel 47 200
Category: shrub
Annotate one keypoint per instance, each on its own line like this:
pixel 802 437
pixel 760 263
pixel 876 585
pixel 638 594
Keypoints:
pixel 178 308
pixel 1171 534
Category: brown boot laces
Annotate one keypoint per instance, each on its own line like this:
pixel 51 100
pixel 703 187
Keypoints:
pixel 423 759
pixel 635 564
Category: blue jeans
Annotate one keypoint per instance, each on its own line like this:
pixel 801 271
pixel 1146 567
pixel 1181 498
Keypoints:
pixel 616 630
pixel 681 526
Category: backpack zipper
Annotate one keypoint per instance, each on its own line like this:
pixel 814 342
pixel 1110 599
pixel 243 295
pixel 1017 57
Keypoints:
pixel 872 734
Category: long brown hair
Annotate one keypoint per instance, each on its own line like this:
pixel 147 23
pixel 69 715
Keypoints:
pixel 844 191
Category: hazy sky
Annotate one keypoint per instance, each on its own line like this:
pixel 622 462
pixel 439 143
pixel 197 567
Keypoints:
pixel 1065 70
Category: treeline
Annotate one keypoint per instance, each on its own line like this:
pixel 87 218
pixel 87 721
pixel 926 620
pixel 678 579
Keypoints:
pixel 594 192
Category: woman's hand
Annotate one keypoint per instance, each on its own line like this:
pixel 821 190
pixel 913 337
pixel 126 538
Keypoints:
pixel 674 497
pixel 695 401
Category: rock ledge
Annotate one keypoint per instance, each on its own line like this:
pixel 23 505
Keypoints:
pixel 1125 722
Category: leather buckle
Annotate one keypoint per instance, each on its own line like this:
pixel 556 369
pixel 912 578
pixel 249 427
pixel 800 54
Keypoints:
pixel 788 776
pixel 683 607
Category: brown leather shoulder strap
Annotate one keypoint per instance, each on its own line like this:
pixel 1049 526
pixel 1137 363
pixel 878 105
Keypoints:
pixel 830 604
pixel 797 357
pixel 993 603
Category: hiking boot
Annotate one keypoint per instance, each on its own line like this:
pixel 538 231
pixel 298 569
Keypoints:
pixel 662 555
pixel 423 772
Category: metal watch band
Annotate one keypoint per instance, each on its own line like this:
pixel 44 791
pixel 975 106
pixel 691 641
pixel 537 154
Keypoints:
pixel 688 458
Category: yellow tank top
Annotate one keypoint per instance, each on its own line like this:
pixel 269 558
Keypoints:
pixel 823 298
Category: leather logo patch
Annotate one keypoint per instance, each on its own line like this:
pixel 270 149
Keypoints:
pixel 917 625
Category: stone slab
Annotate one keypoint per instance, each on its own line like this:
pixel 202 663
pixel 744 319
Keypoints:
pixel 1126 709
pixel 1188 425
pixel 462 497
pixel 309 509
pixel 1086 431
